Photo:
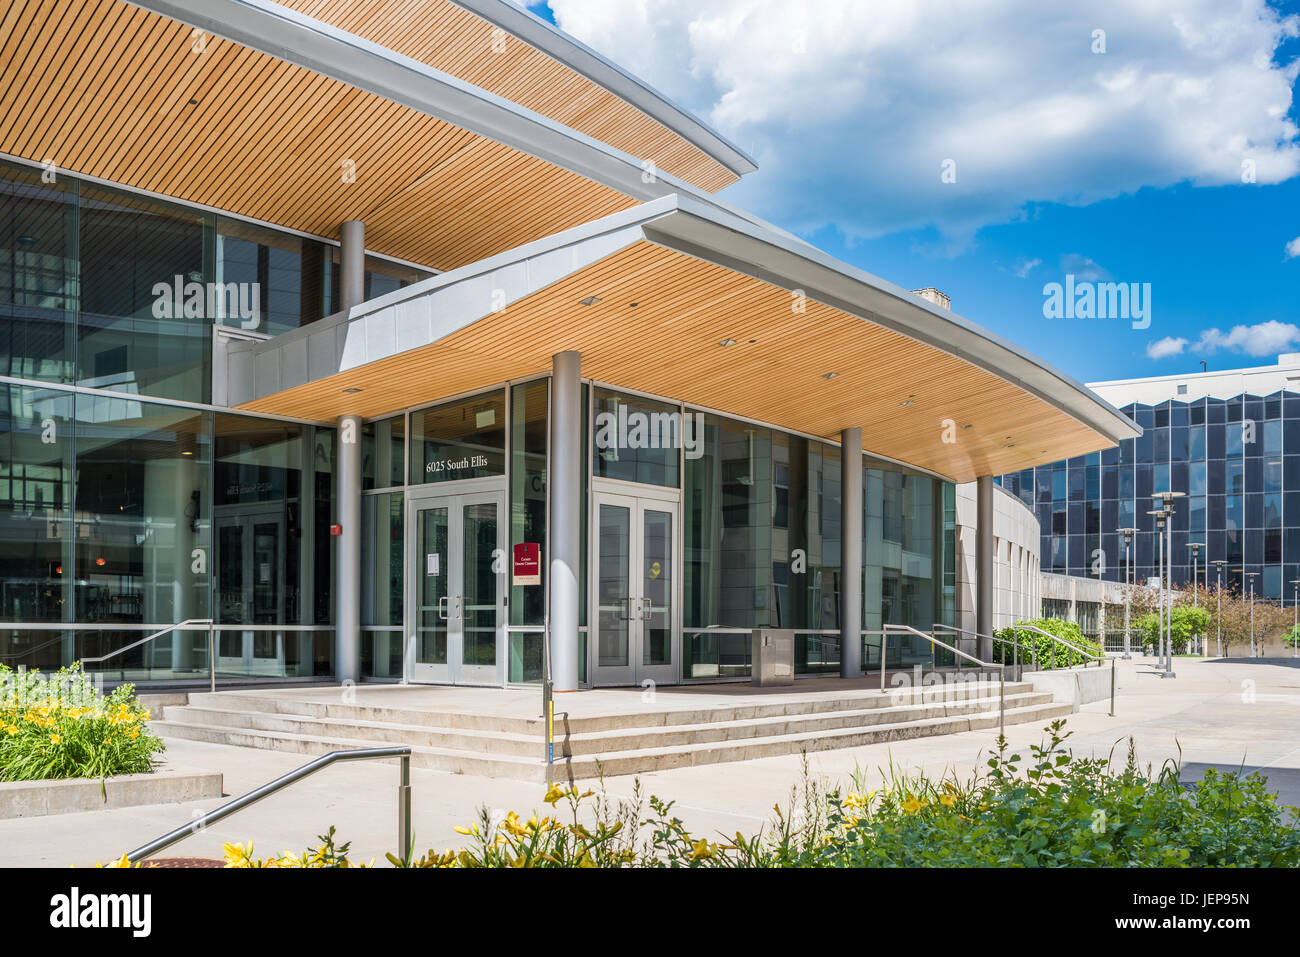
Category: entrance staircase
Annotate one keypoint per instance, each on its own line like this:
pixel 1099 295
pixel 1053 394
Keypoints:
pixel 629 741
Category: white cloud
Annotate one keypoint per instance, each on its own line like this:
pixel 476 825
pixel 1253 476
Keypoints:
pixel 1026 266
pixel 853 131
pixel 1166 347
pixel 1261 339
pixel 1083 268
pixel 1293 248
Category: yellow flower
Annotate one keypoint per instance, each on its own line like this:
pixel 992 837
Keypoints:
pixel 947 800
pixel 54 739
pixel 470 831
pixel 702 850
pixel 556 793
pixel 911 805
pixel 12 729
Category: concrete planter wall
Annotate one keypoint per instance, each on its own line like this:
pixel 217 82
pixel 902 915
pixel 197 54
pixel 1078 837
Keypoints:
pixel 35 798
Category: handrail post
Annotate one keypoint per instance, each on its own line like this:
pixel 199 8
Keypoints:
pixel 883 636
pixel 212 657
pixel 404 848
pixel 1112 687
pixel 1002 704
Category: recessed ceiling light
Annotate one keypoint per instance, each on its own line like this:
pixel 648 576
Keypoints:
pixel 352 391
pixel 26 240
pixel 830 375
pixel 906 402
pixel 632 305
pixel 969 425
pixel 727 342
pixel 589 301
pixel 1009 445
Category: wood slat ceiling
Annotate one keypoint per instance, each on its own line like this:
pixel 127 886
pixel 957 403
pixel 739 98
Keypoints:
pixel 455 41
pixel 668 345
pixel 109 90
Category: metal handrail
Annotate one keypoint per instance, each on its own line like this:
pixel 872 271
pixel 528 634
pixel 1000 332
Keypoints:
pixel 1083 652
pixel 1033 652
pixel 266 790
pixel 1002 669
pixel 30 651
pixel 148 638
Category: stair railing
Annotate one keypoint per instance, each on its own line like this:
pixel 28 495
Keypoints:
pixel 908 629
pixel 1071 649
pixel 404 847
pixel 212 646
pixel 1016 646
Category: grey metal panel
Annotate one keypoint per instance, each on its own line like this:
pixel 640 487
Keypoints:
pixel 293 364
pixel 411 324
pixel 266 372
pixel 381 333
pixel 322 357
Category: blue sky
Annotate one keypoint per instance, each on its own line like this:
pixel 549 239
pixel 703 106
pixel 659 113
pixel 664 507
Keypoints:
pixel 1121 166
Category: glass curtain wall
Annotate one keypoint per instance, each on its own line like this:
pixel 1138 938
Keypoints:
pixel 1237 460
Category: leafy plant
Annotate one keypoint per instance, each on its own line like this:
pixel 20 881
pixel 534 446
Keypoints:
pixel 1185 621
pixel 63 727
pixel 1050 654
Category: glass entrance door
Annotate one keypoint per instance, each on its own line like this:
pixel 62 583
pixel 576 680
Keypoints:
pixel 250 577
pixel 635 581
pixel 457 588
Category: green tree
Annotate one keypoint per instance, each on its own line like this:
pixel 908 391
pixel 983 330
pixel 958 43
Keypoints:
pixel 1184 622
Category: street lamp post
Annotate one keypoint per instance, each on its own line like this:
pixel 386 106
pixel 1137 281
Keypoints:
pixel 1128 534
pixel 1251 577
pixel 1162 518
pixel 1218 594
pixel 1196 553
pixel 1167 500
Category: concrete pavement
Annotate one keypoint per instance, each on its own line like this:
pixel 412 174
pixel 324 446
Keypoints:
pixel 1234 712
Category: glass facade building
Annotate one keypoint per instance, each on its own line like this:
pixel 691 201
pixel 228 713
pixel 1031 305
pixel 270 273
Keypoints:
pixel 1237 460
pixel 127 502
pixel 130 503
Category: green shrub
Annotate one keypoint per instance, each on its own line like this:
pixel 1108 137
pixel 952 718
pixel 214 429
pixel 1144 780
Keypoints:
pixel 1184 622
pixel 62 727
pixel 1051 654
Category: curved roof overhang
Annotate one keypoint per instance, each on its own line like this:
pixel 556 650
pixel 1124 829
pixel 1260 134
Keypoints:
pixel 817 346
pixel 288 120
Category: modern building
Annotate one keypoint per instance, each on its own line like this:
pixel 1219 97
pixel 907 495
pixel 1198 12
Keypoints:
pixel 390 337
pixel 1229 441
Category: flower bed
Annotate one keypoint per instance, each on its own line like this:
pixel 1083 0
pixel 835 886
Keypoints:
pixel 63 727
pixel 1059 811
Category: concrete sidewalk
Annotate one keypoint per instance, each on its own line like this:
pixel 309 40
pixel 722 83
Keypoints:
pixel 1219 712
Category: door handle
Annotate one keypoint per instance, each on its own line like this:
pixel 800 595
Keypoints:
pixel 647 609
pixel 442 607
pixel 460 607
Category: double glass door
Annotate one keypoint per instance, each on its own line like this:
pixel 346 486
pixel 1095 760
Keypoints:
pixel 457 590
pixel 250 578
pixel 635 584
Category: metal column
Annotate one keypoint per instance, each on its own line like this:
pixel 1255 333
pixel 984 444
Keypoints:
pixel 347 585
pixel 565 527
pixel 984 564
pixel 851 553
pixel 352 264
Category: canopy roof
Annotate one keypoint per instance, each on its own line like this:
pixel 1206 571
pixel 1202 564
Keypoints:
pixel 648 297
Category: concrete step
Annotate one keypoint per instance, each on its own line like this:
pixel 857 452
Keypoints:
pixel 744 709
pixel 586 743
pixel 613 762
pixel 437 759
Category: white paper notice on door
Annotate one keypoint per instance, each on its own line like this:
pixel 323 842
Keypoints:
pixel 264 572
pixel 432 560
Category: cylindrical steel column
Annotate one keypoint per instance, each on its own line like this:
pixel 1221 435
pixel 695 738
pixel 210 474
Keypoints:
pixel 851 553
pixel 565 527
pixel 347 584
pixel 984 564
pixel 352 264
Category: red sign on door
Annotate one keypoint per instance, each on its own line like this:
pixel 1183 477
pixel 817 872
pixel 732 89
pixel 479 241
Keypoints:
pixel 528 564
